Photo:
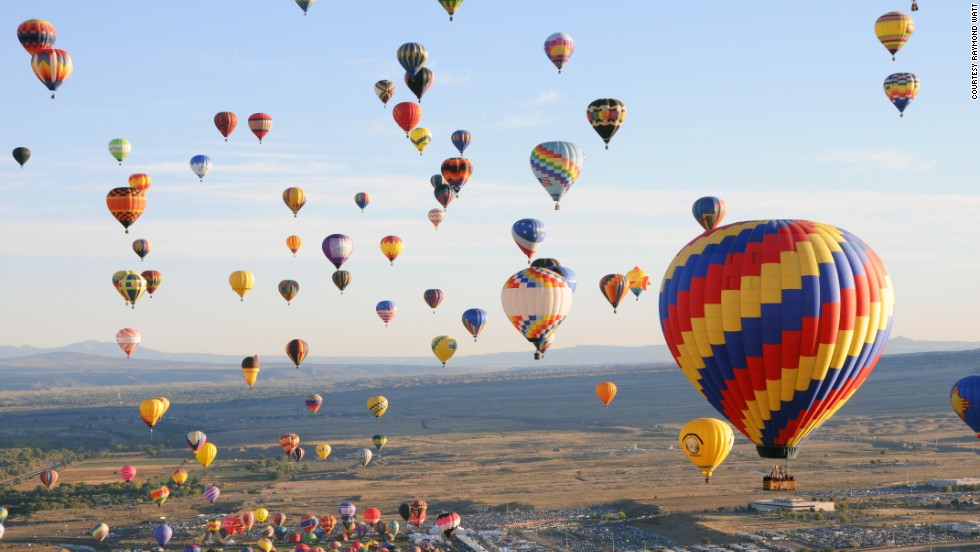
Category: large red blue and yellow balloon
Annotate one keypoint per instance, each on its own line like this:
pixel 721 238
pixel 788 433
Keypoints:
pixel 776 323
pixel 965 399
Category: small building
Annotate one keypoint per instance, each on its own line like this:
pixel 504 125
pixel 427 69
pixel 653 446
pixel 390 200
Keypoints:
pixel 792 505
pixel 942 483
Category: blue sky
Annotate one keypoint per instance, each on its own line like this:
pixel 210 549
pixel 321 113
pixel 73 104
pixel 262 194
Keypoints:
pixel 776 107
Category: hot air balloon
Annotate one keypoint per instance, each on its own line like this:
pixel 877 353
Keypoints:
pixel 120 148
pixel 132 286
pixel 379 443
pixel 293 243
pixel 404 511
pixel 162 534
pixel 151 410
pixel 211 494
pixel 126 205
pixel 606 116
pixel 308 523
pixel 393 528
pixel 557 165
pixel 436 216
pixel 142 248
pixel 808 313
pixel 474 320
pixel 259 124
pixel 261 514
pixel 420 137
pixel 294 198
pixel 448 522
pixel 3 514
pixel 412 57
pixel 346 510
pixel 195 439
pixel 153 280
pixel 166 403
pixel 279 519
pixel 894 29
pixel 528 234
pixel 901 89
pixel 21 155
pixel 386 311
pixel 536 301
pixel 361 199
pixel 298 454
pixel 201 165
pixel 444 195
pixel 614 288
pixel 606 391
pixel 304 5
pixel 49 478
pixel 444 347
pixel 36 35
pixel 417 512
pixel 456 171
pixel 709 211
pixel 706 442
pixel 381 528
pixel 288 442
pixel 377 405
pixel 461 140
pixel 407 115
pixel 559 47
pixel 128 339
pixel 963 396
pixel 99 532
pixel 341 279
pixel 363 456
pixel 179 476
pixel 139 181
pixel 296 350
pixel 432 298
pixel 638 281
pixel 226 121
pixel 384 89
pixel 323 450
pixel 127 473
pixel 52 67
pixel 241 282
pixel 337 248
pixel 288 289
pixel 160 495
pixel 264 544
pixel 450 6
pixel 391 247
pixel 206 454
pixel 250 369
pixel 313 402
pixel 420 82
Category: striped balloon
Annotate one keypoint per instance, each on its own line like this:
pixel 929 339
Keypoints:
pixel 313 402
pixel 606 115
pixel 386 310
pixel 337 248
pixel 708 211
pixel 153 280
pixel 128 340
pixel 288 289
pixel 119 148
pixel 127 473
pixel 559 47
pixel 49 478
pixel 412 56
pixel 140 181
pixel 461 140
pixel 901 89
pixel 361 199
pixel 456 171
pixel 126 205
pixel 260 124
pixel 557 166
pixel 211 494
pixel 776 323
pixel 308 523
pixel 160 495
pixel 893 30
pixel 295 198
pixel 436 216
pixel 474 320
pixel 52 67
pixel 528 234
pixel 536 301
pixel 162 534
pixel 296 350
pixel 100 532
pixel 226 121
pixel 36 35
pixel 450 6
pixel 614 288
pixel 384 89
pixel 433 297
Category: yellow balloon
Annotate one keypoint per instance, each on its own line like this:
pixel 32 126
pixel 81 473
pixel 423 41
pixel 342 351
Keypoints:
pixel 707 442
pixel 206 453
pixel 151 410
pixel 444 347
pixel 166 403
pixel 323 450
pixel 893 30
pixel 179 476
pixel 241 281
pixel 265 545
pixel 638 281
pixel 250 369
pixel 420 137
pixel 377 405
pixel 261 515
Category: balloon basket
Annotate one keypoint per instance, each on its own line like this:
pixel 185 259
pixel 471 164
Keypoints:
pixel 779 480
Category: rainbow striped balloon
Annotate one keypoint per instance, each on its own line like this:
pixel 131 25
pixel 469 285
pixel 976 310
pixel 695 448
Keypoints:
pixel 556 165
pixel 776 323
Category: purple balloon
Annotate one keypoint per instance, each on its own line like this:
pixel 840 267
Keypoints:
pixel 162 534
pixel 337 248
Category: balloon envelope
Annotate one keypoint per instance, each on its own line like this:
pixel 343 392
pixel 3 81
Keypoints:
pixel 965 399
pixel 444 347
pixel 557 166
pixel 706 442
pixel 559 47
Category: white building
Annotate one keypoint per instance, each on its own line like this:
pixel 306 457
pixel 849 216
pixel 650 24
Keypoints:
pixel 941 483
pixel 792 505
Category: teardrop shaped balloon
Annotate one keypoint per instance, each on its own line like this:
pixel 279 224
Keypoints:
pixel 160 495
pixel 293 243
pixel 456 171
pixel 391 247
pixel 36 35
pixel 206 454
pixel 313 402
pixel 411 56
pixel 893 30
pixel 638 280
pixel 416 512
pixel 436 216
pixel 251 369
pixel 142 248
pixel 407 115
pixel 201 165
pixel 153 280
pixel 384 89
pixel 791 317
pixel 162 534
pixel 420 82
pixel 294 198
pixel 450 6
pixel 444 347
pixel 49 478
pixel 606 115
pixel 120 148
pixel 323 450
pixel 421 138
pixel 211 494
pixel 341 279
pixel 377 405
pixel 559 47
pixel 528 234
pixel 151 410
pixel 128 340
pixel 337 248
pixel 363 456
pixel 386 311
pixel 126 205
pixel 557 166
pixel 52 67
pixel 99 532
pixel 225 121
pixel 433 297
pixel 444 195
pixel 606 391
pixel 475 320
pixel 614 288
pixel 379 442
pixel 448 522
pixel 21 155
pixel 288 289
pixel 901 89
pixel 461 140
pixel 709 211
pixel 568 274
pixel 303 5
pixel 241 282
pixel 706 442
pixel 260 124
pixel 288 443
pixel 297 350
pixel 140 181
pixel 362 199
pixel 536 301
pixel 179 476
pixel 195 439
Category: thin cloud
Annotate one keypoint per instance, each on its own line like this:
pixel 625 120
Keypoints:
pixel 544 98
pixel 877 159
pixel 515 122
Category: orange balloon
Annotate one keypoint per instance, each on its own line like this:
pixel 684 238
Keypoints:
pixel 606 391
